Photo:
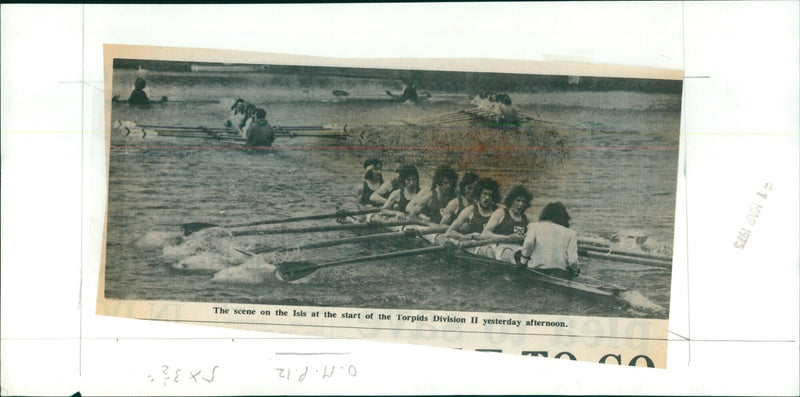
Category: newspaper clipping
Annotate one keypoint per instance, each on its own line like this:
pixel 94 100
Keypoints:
pixel 504 206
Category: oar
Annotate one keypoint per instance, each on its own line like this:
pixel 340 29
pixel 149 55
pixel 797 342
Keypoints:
pixel 529 118
pixel 609 251
pixel 189 228
pixel 629 258
pixel 292 271
pixel 410 232
pixel 326 228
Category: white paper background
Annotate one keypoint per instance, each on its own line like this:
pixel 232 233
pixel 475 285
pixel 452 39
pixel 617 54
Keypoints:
pixel 740 125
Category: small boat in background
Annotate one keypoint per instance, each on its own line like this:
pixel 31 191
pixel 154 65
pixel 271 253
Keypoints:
pixel 228 68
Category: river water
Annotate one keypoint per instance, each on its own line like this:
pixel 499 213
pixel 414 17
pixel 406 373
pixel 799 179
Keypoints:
pixel 611 157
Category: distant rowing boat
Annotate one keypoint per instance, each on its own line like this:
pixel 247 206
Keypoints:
pixel 220 134
pixel 165 100
pixel 228 68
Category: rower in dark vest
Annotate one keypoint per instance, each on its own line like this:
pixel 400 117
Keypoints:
pixel 259 132
pixel 138 96
pixel 511 219
pixel 430 203
pixel 397 202
pixel 472 220
pixel 373 179
pixel 378 197
pixel 463 200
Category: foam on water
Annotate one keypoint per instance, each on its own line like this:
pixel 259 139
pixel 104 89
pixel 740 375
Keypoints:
pixel 640 302
pixel 204 262
pixel 208 240
pixel 159 240
pixel 255 270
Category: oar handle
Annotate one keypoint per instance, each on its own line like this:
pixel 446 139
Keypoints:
pixel 326 228
pixel 310 217
pixel 425 250
pixel 411 232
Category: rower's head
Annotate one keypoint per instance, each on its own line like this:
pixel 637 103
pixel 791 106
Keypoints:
pixel 139 84
pixel 409 176
pixel 555 212
pixel 373 167
pixel 239 104
pixel 518 199
pixel 466 184
pixel 444 179
pixel 261 114
pixel 372 163
pixel 250 109
pixel 504 99
pixel 486 192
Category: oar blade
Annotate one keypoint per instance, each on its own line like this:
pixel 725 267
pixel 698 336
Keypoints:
pixel 293 271
pixel 194 227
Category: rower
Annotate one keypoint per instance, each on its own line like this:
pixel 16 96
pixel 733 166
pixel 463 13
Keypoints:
pixel 550 246
pixel 138 96
pixel 373 179
pixel 379 196
pixel 430 203
pixel 259 132
pixel 398 201
pixel 237 113
pixel 249 116
pixel 472 220
pixel 464 199
pixel 510 220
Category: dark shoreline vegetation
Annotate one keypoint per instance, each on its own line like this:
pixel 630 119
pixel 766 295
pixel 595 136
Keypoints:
pixel 310 76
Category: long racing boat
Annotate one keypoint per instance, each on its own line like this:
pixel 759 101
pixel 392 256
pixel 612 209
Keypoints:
pixel 497 256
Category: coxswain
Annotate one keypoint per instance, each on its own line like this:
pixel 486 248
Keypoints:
pixel 430 203
pixel 259 132
pixel 373 179
pixel 472 220
pixel 463 200
pixel 550 246
pixel 511 219
pixel 398 200
pixel 138 96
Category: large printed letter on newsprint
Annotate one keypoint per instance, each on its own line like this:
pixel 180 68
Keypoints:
pixel 518 207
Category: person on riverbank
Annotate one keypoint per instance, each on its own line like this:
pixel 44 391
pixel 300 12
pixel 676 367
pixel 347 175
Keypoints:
pixel 550 246
pixel 463 200
pixel 511 219
pixel 399 199
pixel 473 219
pixel 138 96
pixel 373 179
pixel 430 203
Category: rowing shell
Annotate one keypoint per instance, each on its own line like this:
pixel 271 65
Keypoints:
pixel 595 290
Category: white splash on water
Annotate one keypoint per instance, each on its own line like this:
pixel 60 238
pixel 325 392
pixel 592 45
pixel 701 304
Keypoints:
pixel 640 302
pixel 255 270
pixel 159 239
pixel 204 262
pixel 209 250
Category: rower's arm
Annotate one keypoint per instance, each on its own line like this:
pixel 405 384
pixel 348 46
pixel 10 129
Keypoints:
pixel 463 217
pixel 378 197
pixel 419 202
pixel 388 206
pixel 450 212
pixel 494 220
pixel 572 250
pixel 528 244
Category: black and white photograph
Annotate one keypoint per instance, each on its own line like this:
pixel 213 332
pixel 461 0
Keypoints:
pixel 391 188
